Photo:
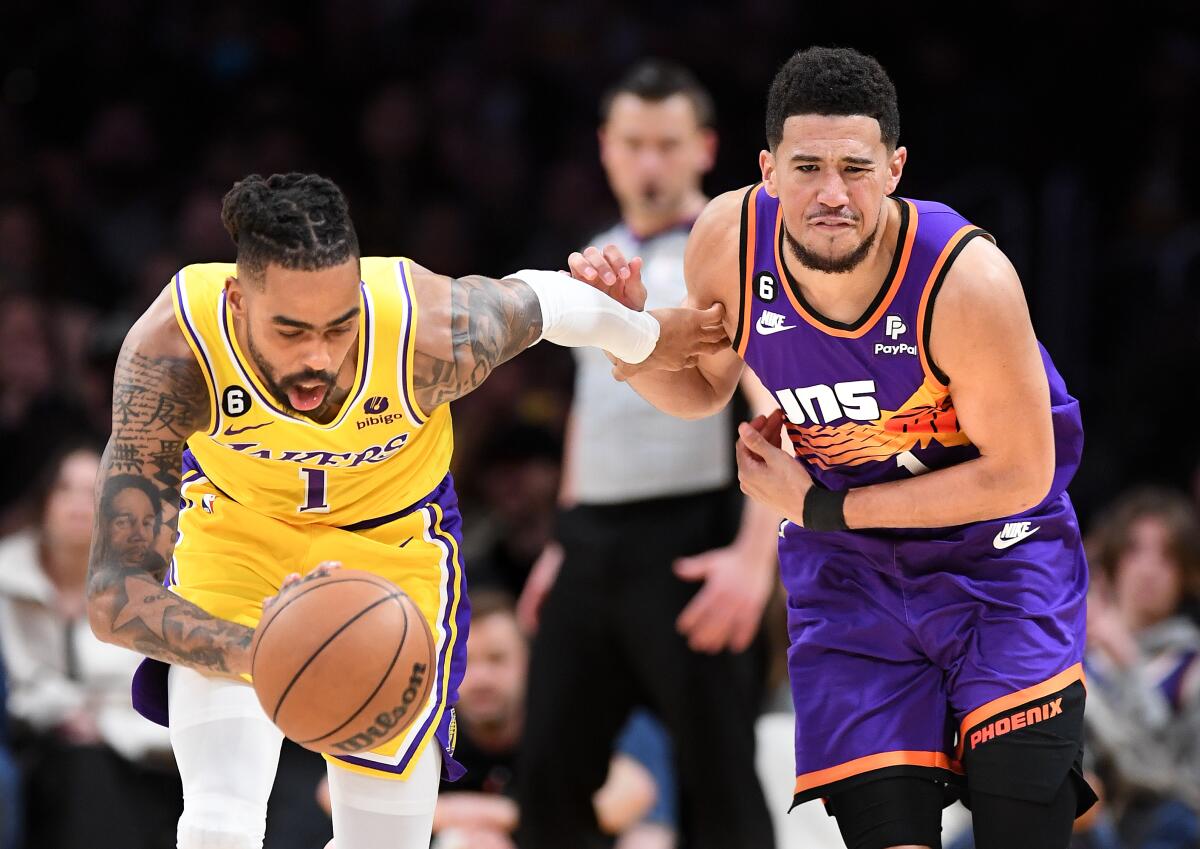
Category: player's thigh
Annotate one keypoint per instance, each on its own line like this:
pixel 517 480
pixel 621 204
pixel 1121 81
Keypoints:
pixel 373 811
pixel 1002 822
pixel 421 554
pixel 890 812
pixel 228 558
pixel 226 748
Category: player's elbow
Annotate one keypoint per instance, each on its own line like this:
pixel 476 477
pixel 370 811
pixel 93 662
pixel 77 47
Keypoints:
pixel 97 612
pixel 694 412
pixel 1032 483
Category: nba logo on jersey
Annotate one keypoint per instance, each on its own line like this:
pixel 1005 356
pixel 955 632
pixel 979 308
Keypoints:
pixel 895 327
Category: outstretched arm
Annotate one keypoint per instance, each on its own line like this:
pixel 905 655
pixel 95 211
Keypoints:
pixel 711 265
pixel 159 400
pixel 469 325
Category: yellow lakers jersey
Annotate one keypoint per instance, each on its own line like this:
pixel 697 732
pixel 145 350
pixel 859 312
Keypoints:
pixel 380 454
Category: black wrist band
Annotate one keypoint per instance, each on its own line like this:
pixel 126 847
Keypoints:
pixel 823 509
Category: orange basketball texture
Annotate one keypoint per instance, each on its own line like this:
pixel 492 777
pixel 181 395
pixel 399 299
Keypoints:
pixel 343 663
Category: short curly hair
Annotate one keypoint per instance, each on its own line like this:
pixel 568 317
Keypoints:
pixel 297 221
pixel 832 81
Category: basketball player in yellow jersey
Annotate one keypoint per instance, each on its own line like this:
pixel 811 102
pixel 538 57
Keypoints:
pixel 292 407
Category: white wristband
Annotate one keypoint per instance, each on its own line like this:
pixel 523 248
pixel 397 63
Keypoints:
pixel 576 315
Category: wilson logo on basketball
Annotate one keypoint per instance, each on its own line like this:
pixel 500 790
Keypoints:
pixel 380 730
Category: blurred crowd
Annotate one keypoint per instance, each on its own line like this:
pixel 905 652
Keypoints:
pixel 464 136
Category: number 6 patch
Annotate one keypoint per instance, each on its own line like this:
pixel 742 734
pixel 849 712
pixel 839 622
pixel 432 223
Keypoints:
pixel 767 286
pixel 236 401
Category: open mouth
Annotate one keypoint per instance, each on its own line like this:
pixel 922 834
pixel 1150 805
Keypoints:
pixel 307 396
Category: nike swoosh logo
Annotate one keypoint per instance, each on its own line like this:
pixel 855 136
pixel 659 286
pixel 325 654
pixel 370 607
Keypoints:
pixel 767 331
pixel 1002 544
pixel 229 431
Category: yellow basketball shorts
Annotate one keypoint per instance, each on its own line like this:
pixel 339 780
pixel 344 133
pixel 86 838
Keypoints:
pixel 228 559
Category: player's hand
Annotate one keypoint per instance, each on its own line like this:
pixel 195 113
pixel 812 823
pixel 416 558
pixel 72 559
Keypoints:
pixel 610 272
pixel 1107 630
pixel 295 579
pixel 537 586
pixel 726 612
pixel 685 334
pixel 767 473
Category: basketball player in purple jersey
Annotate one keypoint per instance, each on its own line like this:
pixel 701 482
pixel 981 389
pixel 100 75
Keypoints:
pixel 935 576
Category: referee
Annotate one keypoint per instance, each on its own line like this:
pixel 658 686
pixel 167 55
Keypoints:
pixel 659 590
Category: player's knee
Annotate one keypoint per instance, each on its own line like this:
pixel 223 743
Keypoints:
pixel 221 821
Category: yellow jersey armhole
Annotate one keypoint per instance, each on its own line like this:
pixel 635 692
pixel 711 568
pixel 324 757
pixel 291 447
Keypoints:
pixel 190 334
pixel 410 339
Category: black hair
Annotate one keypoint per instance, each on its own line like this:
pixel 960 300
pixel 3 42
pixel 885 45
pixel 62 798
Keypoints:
pixel 656 80
pixel 117 484
pixel 832 81
pixel 297 221
pixel 1114 533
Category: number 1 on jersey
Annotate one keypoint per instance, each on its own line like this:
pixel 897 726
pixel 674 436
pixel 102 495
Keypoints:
pixel 314 491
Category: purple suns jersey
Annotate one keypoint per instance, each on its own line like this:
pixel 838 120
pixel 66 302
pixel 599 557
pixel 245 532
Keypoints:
pixel 864 402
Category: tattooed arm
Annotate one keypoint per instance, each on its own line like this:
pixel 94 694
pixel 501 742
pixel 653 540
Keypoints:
pixel 469 325
pixel 159 400
pixel 466 327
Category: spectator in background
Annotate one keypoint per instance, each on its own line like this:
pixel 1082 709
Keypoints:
pixel 479 811
pixel 1143 668
pixel 35 412
pixel 69 692
pixel 517 474
pixel 10 779
pixel 649 600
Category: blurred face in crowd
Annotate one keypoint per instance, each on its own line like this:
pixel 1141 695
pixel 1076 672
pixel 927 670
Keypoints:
pixel 831 174
pixel 70 505
pixel 1148 581
pixel 493 690
pixel 25 360
pixel 133 527
pixel 654 153
pixel 300 327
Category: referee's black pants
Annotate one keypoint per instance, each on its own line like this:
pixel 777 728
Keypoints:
pixel 607 643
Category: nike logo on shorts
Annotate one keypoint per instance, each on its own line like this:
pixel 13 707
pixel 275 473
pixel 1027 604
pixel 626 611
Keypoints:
pixel 1013 533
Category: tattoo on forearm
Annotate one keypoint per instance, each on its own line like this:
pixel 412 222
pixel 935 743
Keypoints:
pixel 157 404
pixel 491 321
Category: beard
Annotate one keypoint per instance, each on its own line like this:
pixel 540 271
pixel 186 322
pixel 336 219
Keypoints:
pixel 278 387
pixel 832 265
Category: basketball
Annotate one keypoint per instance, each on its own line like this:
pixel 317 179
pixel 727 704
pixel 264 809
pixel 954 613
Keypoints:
pixel 342 663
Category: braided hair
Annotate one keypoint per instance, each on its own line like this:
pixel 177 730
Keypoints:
pixel 297 221
pixel 833 81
